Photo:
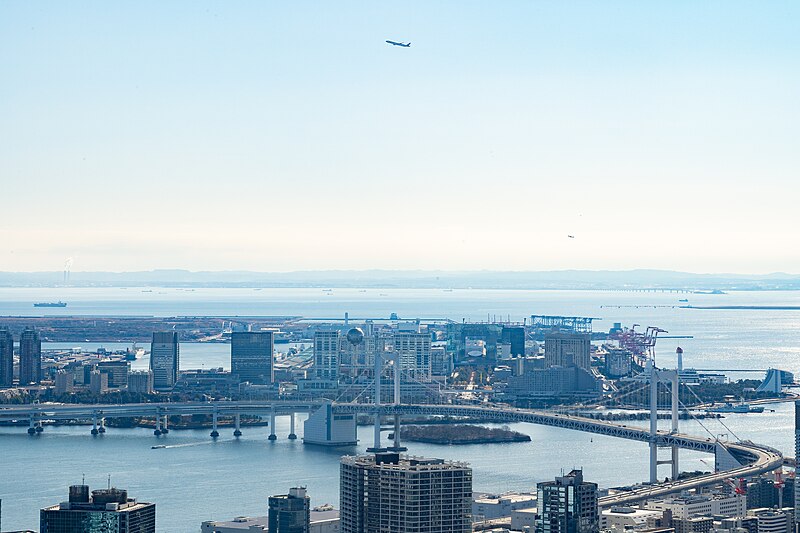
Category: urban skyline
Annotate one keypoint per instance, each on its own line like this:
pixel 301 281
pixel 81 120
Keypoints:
pixel 420 267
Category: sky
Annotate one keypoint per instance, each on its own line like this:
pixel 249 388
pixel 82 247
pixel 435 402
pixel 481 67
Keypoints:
pixel 279 136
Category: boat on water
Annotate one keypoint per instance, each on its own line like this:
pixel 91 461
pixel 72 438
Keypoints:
pixel 51 304
pixel 729 407
pixel 134 352
pixel 684 300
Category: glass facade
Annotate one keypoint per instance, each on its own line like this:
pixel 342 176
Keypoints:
pixel 251 356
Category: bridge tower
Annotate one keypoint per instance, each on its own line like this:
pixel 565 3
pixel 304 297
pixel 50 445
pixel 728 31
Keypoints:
pixel 657 376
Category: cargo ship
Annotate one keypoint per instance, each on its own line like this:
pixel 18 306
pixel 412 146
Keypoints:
pixel 51 304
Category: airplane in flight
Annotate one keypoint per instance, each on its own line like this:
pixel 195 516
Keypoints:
pixel 395 43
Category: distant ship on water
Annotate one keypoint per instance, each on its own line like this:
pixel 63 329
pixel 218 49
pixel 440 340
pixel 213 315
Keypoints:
pixel 51 304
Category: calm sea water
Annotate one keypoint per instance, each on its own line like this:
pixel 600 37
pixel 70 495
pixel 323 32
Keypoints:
pixel 200 480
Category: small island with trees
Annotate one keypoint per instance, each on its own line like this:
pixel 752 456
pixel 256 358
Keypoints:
pixel 460 434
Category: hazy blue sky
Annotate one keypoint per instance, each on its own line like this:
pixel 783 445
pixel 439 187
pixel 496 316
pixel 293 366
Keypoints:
pixel 288 135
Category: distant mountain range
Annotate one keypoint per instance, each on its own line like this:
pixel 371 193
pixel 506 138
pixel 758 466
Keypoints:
pixel 484 279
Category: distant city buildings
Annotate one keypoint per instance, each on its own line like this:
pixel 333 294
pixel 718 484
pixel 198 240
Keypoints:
pixel 290 513
pixel 104 511
pixel 30 357
pixel 252 356
pixel 567 505
pixel 6 358
pixel 387 492
pixel 165 359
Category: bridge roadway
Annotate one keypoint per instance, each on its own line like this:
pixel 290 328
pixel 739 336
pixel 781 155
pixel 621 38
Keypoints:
pixel 760 459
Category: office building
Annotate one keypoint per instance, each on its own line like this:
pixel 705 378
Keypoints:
pixel 105 511
pixel 6 358
pixel 165 359
pixel 460 335
pixel 567 505
pixel 290 513
pixel 553 382
pixel 567 349
pixel 326 355
pixel 695 524
pixel 623 519
pixel 251 356
pixel 387 492
pixel 30 357
pixel 141 381
pixel 413 350
pixel 692 505
pixel 117 371
pixel 514 337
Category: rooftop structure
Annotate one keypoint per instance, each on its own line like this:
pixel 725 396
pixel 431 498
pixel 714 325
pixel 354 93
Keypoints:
pixel 104 511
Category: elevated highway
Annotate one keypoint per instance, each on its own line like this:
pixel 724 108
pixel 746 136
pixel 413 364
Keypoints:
pixel 754 458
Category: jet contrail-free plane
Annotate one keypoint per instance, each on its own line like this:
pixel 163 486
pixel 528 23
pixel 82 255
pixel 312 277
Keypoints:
pixel 395 43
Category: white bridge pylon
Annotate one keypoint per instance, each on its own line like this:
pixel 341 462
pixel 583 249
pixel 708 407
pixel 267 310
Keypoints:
pixel 656 376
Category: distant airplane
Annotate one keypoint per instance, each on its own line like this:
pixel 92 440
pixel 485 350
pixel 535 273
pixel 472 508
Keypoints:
pixel 404 45
pixel 571 236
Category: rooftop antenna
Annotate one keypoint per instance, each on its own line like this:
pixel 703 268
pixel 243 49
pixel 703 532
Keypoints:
pixel 83 479
pixel 109 482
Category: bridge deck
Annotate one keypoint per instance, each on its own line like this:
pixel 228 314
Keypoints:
pixel 763 459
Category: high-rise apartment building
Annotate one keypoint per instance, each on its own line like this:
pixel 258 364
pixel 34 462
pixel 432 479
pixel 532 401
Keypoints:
pixel 251 356
pixel 414 353
pixel 65 382
pixel 30 357
pixel 141 381
pixel 387 492
pixel 105 511
pixel 6 358
pixel 165 359
pixel 290 513
pixel 567 349
pixel 567 505
pixel 326 355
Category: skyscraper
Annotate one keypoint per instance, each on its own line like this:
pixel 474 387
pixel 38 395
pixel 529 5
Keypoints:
pixel 105 511
pixel 326 354
pixel 251 356
pixel 165 359
pixel 567 505
pixel 290 513
pixel 6 358
pixel 389 493
pixel 30 357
